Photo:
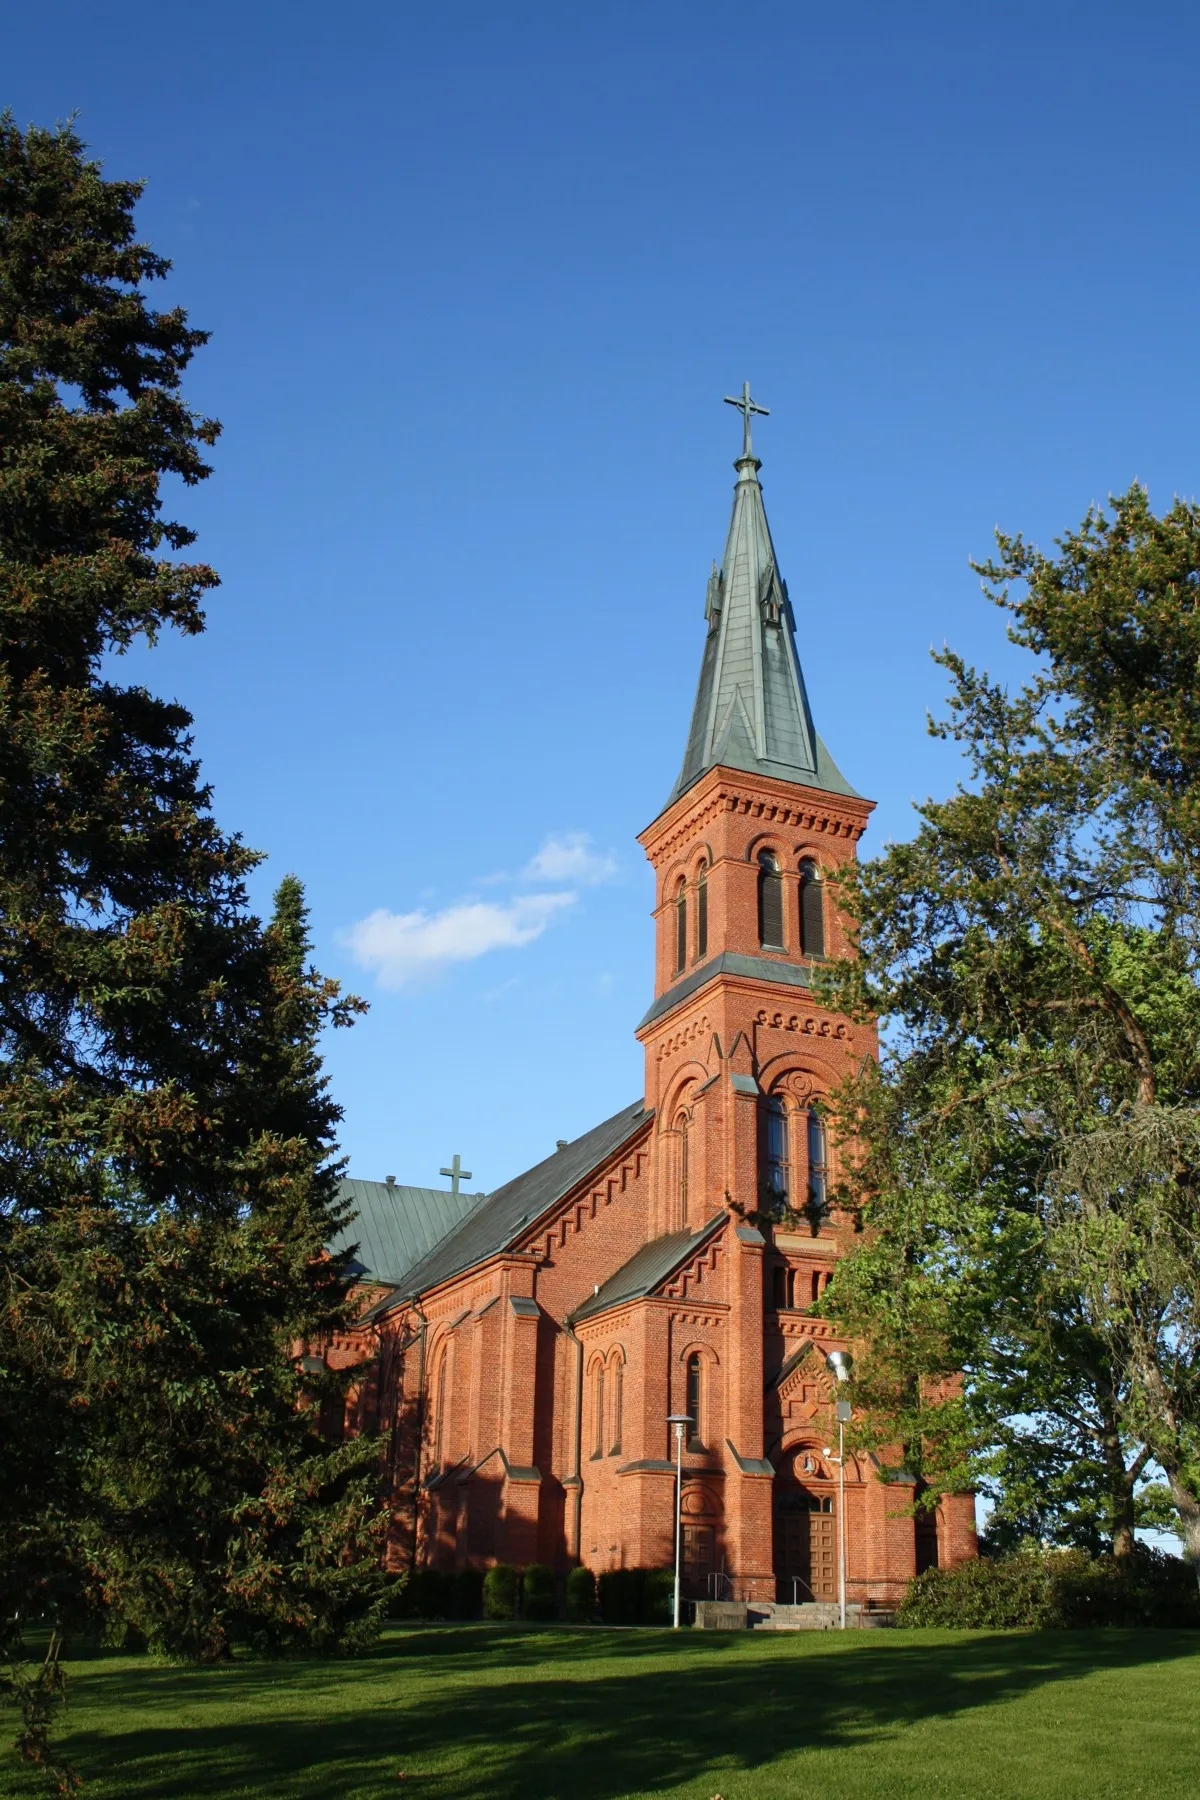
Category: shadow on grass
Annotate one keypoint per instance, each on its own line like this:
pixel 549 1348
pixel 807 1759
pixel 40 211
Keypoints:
pixel 464 1714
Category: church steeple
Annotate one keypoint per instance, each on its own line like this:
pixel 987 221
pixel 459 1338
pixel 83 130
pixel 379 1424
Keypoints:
pixel 751 710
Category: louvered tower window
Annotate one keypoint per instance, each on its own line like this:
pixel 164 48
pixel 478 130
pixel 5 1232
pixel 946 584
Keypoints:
pixel 681 928
pixel 702 912
pixel 812 911
pixel 776 1149
pixel 770 902
pixel 816 1157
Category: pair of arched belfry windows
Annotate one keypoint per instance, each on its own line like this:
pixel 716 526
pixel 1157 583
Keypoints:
pixel 771 934
pixel 681 919
pixel 777 1153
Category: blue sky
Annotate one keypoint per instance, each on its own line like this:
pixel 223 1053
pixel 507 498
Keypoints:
pixel 477 280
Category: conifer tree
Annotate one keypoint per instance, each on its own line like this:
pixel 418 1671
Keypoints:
pixel 167 1181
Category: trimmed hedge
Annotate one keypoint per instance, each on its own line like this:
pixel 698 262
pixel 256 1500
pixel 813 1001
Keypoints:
pixel 501 1585
pixel 428 1594
pixel 1054 1590
pixel 468 1593
pixel 658 1597
pixel 539 1601
pixel 637 1596
pixel 581 1596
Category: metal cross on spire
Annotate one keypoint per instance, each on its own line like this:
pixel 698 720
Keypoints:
pixel 746 406
pixel 456 1172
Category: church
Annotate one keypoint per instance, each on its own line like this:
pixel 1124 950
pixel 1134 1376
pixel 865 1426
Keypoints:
pixel 528 1347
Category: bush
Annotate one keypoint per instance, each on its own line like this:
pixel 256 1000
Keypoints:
pixel 621 1596
pixel 581 1596
pixel 1050 1590
pixel 658 1597
pixel 429 1594
pixel 500 1586
pixel 538 1598
pixel 468 1593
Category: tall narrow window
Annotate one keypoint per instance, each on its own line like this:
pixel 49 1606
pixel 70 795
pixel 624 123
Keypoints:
pixel 776 1149
pixel 694 1399
pixel 681 928
pixel 681 1127
pixel 617 1405
pixel 439 1411
pixel 770 902
pixel 812 911
pixel 702 912
pixel 779 1286
pixel 816 1157
pixel 599 1437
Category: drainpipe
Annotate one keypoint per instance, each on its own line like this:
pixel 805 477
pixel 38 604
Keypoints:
pixel 578 1471
pixel 420 1433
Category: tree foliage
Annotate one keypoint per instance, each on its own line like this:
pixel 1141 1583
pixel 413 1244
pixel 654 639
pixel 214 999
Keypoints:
pixel 1030 1148
pixel 167 1171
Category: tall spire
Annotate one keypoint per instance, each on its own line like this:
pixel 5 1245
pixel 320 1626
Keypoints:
pixel 751 708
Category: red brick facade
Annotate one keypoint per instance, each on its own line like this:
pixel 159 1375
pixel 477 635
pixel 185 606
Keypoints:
pixel 530 1389
pixel 542 1440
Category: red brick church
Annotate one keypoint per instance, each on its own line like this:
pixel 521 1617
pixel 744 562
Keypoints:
pixel 529 1345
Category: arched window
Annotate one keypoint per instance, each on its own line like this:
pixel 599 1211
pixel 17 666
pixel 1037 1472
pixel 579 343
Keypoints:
pixel 439 1410
pixel 816 1157
pixel 681 1127
pixel 618 1384
pixel 775 1148
pixel 599 1433
pixel 694 1400
pixel 702 912
pixel 812 911
pixel 770 902
pixel 681 928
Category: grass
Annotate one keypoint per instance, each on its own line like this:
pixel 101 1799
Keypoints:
pixel 504 1713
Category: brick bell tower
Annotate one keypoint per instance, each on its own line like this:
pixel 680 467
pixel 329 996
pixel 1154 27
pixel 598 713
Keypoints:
pixel 739 1055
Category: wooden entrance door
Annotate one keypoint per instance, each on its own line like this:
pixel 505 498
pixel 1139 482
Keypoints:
pixel 698 1558
pixel 805 1545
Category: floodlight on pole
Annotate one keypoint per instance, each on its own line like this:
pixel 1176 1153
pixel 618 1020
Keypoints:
pixel 841 1362
pixel 678 1420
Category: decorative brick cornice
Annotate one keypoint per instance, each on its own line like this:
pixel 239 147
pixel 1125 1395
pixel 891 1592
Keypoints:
pixel 780 803
pixel 806 1023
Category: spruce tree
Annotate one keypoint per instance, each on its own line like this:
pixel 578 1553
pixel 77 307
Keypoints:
pixel 167 1172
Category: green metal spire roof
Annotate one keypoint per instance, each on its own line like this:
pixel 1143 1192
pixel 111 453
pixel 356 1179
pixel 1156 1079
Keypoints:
pixel 751 708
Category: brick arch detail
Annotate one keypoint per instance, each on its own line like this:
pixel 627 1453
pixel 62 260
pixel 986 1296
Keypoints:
pixel 698 1347
pixel 676 1096
pixel 819 1074
pixel 803 1437
pixel 767 840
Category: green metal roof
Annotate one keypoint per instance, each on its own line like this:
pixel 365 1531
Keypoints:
pixel 393 1228
pixel 496 1219
pixel 647 1268
pixel 751 708
pixel 730 962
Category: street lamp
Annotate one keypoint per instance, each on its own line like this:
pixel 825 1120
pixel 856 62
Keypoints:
pixel 678 1420
pixel 841 1362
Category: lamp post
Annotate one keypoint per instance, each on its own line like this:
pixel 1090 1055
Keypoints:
pixel 841 1362
pixel 678 1420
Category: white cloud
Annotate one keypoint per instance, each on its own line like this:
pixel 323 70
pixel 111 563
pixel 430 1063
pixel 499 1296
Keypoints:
pixel 571 857
pixel 399 946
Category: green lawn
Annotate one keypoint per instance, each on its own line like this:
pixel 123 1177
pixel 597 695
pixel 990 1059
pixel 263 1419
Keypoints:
pixel 501 1713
